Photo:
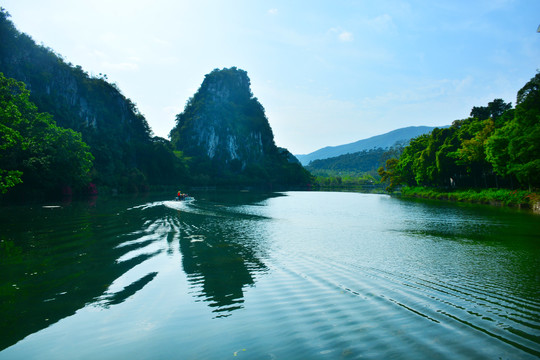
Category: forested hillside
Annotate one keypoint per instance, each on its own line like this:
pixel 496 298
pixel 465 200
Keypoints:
pixel 126 156
pixel 357 171
pixel 497 146
pixel 222 138
pixel 367 161
pixel 33 149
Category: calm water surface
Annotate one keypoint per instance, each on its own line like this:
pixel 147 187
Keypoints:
pixel 296 275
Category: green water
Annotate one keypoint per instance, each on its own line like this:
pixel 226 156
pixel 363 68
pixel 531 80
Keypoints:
pixel 295 275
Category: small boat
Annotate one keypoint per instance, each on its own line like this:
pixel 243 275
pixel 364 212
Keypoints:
pixel 184 197
pixel 187 198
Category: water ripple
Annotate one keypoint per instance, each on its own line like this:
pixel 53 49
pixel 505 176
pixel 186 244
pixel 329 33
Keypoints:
pixel 289 277
pixel 326 315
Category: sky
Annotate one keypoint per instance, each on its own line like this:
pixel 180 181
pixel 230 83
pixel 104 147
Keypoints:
pixel 327 72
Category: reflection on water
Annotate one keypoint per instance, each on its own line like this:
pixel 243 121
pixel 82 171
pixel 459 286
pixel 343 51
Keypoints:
pixel 217 255
pixel 303 275
pixel 57 259
pixel 220 267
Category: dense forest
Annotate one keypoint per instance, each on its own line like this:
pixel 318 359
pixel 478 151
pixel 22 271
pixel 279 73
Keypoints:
pixel 126 157
pixel 496 147
pixel 33 146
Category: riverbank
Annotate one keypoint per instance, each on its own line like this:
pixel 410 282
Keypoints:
pixel 369 189
pixel 499 197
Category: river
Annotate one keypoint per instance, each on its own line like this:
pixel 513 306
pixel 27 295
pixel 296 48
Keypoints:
pixel 293 275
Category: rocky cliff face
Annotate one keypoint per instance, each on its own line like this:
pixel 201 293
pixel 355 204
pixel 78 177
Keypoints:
pixel 225 130
pixel 224 122
pixel 76 100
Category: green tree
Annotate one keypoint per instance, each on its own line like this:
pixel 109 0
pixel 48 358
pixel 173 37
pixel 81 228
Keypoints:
pixel 493 110
pixel 496 145
pixel 514 149
pixel 524 146
pixel 449 172
pixel 389 174
pixel 8 138
pixel 35 151
pixel 474 135
pixel 406 170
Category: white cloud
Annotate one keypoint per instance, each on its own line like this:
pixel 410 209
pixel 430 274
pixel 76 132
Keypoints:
pixel 345 36
pixel 342 35
pixel 273 11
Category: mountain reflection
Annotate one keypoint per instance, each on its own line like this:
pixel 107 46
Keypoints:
pixel 219 255
pixel 74 255
pixel 221 268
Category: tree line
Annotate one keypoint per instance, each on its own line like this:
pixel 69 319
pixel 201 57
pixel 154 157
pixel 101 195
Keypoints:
pixel 498 146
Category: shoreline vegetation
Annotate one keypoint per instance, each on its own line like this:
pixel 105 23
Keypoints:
pixel 521 199
pixel 492 157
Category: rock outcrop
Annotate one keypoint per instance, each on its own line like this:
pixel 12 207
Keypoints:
pixel 225 125
pixel 223 121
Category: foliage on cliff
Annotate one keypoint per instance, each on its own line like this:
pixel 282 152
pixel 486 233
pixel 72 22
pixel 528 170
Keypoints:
pixel 33 150
pixel 496 147
pixel 225 132
pixel 127 157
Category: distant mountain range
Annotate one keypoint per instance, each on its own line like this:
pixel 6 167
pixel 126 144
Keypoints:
pixel 384 141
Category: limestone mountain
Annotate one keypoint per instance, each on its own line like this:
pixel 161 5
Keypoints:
pixel 225 131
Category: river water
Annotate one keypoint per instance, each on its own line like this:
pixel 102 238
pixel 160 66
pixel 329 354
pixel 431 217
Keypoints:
pixel 294 275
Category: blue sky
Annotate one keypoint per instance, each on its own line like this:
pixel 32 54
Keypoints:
pixel 327 72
